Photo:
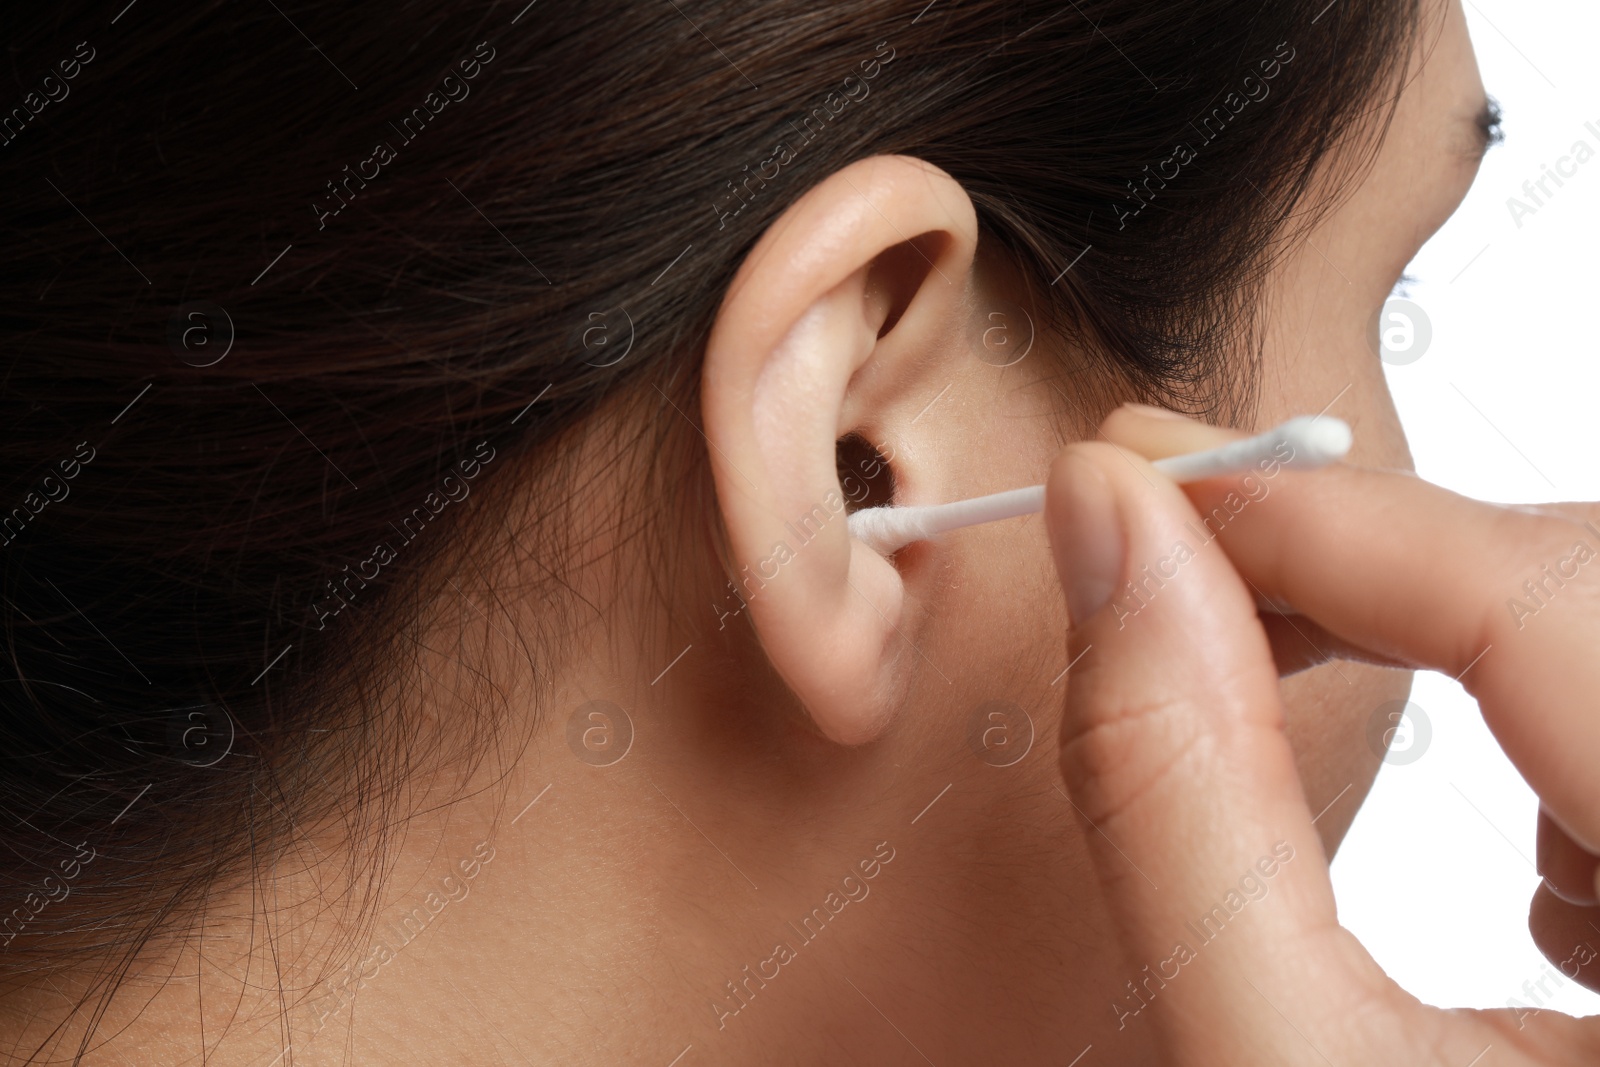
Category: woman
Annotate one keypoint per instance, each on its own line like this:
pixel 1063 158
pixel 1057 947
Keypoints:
pixel 433 630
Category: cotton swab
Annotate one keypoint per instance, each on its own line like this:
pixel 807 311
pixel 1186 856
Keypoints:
pixel 1310 441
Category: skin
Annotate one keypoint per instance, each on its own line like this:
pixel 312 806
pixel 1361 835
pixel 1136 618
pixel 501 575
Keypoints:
pixel 813 749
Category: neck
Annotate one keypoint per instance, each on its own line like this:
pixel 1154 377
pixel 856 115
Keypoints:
pixel 671 860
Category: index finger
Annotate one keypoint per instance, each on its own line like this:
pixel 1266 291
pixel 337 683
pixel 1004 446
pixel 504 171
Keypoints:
pixel 1505 599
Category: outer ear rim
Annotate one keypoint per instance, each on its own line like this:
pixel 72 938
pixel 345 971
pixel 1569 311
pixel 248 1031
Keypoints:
pixel 829 629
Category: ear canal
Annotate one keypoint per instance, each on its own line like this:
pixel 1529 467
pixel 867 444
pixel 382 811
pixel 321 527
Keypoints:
pixel 865 477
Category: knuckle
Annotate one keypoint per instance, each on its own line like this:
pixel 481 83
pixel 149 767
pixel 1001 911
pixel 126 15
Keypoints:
pixel 1113 762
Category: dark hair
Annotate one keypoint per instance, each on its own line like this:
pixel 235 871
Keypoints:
pixel 281 272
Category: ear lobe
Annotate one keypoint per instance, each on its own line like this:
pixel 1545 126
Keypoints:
pixel 836 313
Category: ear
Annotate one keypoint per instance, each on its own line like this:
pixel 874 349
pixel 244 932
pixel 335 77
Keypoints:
pixel 833 325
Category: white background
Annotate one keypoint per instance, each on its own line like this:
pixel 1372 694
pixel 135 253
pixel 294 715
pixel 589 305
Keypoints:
pixel 1437 872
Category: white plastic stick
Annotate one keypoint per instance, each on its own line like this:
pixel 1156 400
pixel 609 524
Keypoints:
pixel 1304 443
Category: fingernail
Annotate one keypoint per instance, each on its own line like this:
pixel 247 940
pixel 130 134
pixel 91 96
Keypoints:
pixel 1087 538
pixel 1156 413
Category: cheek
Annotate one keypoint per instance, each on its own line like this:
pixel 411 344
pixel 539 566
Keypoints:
pixel 1326 720
pixel 992 614
pixel 1320 360
pixel 1319 355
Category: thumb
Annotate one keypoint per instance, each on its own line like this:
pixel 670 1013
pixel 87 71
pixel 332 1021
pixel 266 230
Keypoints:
pixel 1173 749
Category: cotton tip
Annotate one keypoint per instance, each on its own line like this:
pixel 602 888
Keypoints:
pixel 1306 443
pixel 885 530
pixel 1320 440
pixel 889 529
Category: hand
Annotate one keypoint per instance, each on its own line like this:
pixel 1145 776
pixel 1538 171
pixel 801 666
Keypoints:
pixel 1173 739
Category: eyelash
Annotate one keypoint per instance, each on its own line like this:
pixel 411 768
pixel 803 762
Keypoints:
pixel 1492 123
